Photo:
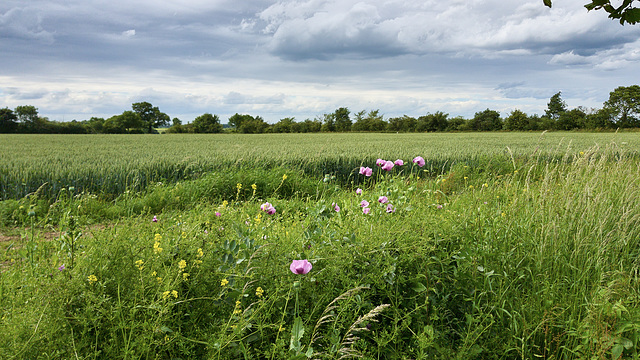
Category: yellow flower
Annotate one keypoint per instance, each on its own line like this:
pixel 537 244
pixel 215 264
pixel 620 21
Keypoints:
pixel 239 186
pixel 92 279
pixel 254 187
pixel 259 292
pixel 159 280
pixel 200 253
pixel 140 264
pixel 284 177
pixel 157 238
pixel 485 185
pixel 185 276
pixel 466 177
pixel 182 265
pixel 470 186
pixel 224 282
pixel 184 234
pixel 258 218
pixel 225 203
pixel 166 294
pixel 154 273
pixel 581 153
pixel 156 248
pixel 237 310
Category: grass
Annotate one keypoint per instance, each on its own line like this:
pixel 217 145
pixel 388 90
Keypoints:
pixel 506 258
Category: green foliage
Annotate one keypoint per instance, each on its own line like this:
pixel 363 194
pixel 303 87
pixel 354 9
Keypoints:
pixel 624 106
pixel 625 12
pixel 207 123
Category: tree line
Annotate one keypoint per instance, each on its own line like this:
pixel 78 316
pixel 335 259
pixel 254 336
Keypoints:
pixel 621 110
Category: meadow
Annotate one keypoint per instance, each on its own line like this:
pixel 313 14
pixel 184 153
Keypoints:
pixel 477 246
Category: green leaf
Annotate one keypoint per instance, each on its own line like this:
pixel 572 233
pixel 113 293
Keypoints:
pixel 632 16
pixel 547 2
pixel 418 287
pixel 296 334
pixel 616 351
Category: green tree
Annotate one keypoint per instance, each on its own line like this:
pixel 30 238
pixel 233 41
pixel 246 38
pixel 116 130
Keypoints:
pixel 624 106
pixel 236 120
pixel 402 124
pixel 487 120
pixel 150 116
pixel 207 123
pixel 342 119
pixel 433 122
pixel 8 121
pixel 253 125
pixel 570 120
pixel 517 121
pixel 286 125
pixel 372 121
pixel 28 117
pixel 555 106
pixel 329 123
pixel 625 12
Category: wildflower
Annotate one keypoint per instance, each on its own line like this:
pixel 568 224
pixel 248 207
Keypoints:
pixel 366 171
pixel 390 209
pixel 259 292
pixel 419 160
pixel 366 210
pixel 166 294
pixel 268 208
pixel 254 187
pixel 238 186
pixel 237 310
pixel 182 265
pixel 155 219
pixel 485 185
pixel 336 207
pixel 224 282
pixel 154 273
pixel 61 267
pixel 359 191
pixel 92 279
pixel 157 238
pixel 380 162
pixel 383 200
pixel 466 177
pixel 156 248
pixel 581 153
pixel 284 177
pixel 388 165
pixel 225 203
pixel 399 162
pixel 258 218
pixel 300 267
pixel 438 206
pixel 185 276
pixel 200 253
pixel 364 203
pixel 471 187
pixel 184 235
pixel 140 264
pixel 218 214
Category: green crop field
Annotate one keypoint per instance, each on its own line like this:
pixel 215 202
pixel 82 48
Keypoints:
pixel 501 246
pixel 112 164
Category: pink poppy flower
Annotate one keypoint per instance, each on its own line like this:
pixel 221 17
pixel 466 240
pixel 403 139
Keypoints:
pixel 155 219
pixel 388 165
pixel 300 267
pixel 366 171
pixel 366 210
pixel 380 162
pixel 359 191
pixel 399 162
pixel 336 207
pixel 390 209
pixel 364 203
pixel 383 200
pixel 268 208
pixel 218 214
pixel 419 160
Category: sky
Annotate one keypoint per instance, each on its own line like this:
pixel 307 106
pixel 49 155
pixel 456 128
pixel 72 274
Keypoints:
pixel 74 59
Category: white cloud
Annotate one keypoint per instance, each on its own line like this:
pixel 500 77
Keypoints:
pixel 129 33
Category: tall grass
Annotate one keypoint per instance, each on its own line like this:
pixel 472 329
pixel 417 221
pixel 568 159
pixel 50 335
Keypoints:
pixel 504 259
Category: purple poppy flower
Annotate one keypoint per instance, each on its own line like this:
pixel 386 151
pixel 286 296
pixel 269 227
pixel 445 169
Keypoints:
pixel 268 208
pixel 380 162
pixel 388 165
pixel 62 267
pixel 364 203
pixel 300 267
pixel 383 200
pixel 366 171
pixel 336 207
pixel 419 160
pixel 399 162
pixel 218 214
pixel 390 209
pixel 359 191
pixel 366 210
pixel 155 219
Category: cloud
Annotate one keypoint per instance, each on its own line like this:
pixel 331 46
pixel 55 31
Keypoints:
pixel 129 33
pixel 24 23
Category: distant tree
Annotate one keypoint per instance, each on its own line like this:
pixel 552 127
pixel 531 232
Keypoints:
pixel 402 124
pixel 150 116
pixel 28 118
pixel 372 121
pixel 487 120
pixel 285 125
pixel 555 106
pixel 432 122
pixel 253 125
pixel 517 121
pixel 95 125
pixel 8 121
pixel 625 12
pixel 342 119
pixel 176 121
pixel 457 123
pixel 309 126
pixel 624 106
pixel 570 120
pixel 207 123
pixel 236 120
pixel 599 119
pixel 329 123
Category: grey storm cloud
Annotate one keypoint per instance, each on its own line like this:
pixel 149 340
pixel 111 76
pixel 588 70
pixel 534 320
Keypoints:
pixel 303 57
